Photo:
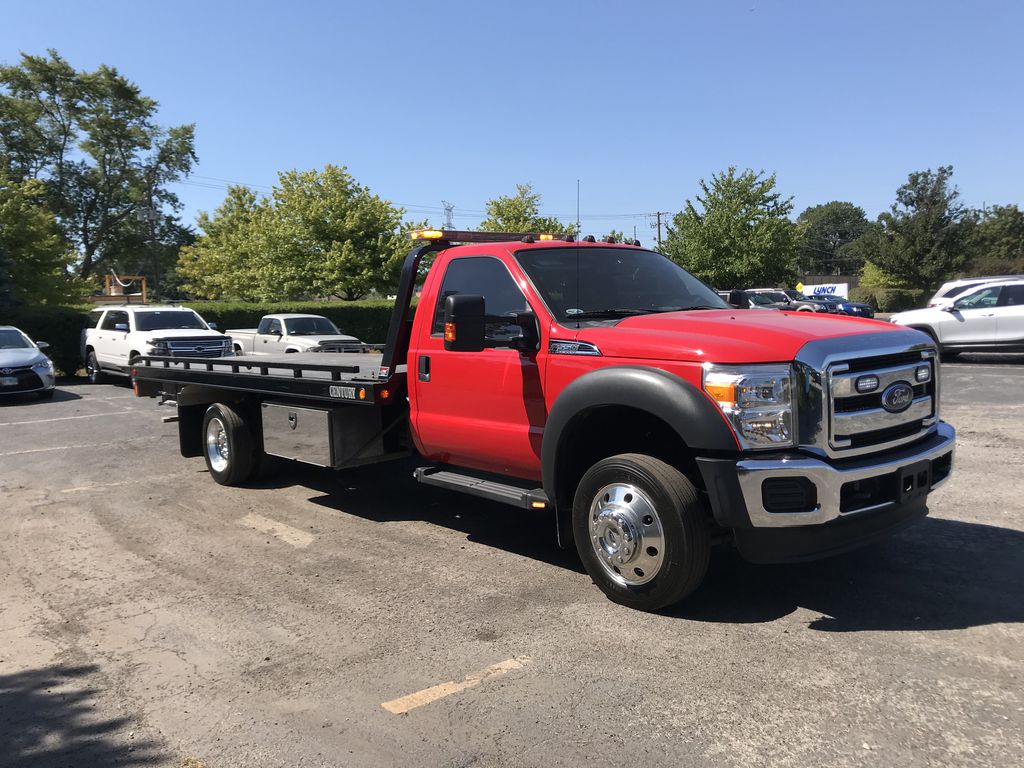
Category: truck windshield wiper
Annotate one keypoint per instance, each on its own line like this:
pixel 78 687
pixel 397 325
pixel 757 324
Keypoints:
pixel 699 306
pixel 590 314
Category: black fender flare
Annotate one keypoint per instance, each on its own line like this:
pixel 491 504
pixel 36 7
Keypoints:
pixel 677 402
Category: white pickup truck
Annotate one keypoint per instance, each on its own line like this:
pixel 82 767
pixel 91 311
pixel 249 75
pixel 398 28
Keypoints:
pixel 117 335
pixel 293 333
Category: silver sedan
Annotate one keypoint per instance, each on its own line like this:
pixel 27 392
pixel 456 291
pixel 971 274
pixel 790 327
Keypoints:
pixel 23 365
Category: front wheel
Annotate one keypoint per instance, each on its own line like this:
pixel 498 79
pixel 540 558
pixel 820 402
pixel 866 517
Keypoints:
pixel 641 531
pixel 229 447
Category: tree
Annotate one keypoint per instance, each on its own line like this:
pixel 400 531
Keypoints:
pixel 33 256
pixel 996 243
pixel 220 262
pixel 738 233
pixel 923 239
pixel 320 234
pixel 825 230
pixel 521 213
pixel 91 139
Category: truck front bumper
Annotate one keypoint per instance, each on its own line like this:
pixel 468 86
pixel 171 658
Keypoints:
pixel 797 507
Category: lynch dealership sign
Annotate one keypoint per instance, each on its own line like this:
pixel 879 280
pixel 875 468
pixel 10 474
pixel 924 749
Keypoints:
pixel 825 289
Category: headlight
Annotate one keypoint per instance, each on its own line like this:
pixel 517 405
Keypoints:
pixel 756 399
pixel 45 365
pixel 157 348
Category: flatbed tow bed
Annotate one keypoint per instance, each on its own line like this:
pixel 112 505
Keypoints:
pixel 303 375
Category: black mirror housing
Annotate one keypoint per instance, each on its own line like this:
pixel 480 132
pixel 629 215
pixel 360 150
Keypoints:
pixel 464 323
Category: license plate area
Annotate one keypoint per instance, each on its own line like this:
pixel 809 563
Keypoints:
pixel 914 481
pixel 8 381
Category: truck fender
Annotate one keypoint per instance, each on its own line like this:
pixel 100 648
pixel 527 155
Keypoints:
pixel 669 398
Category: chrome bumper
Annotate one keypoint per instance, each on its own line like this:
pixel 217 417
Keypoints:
pixel 829 480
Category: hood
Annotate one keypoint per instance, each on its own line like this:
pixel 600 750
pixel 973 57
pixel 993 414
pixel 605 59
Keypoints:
pixel 20 358
pixel 318 339
pixel 926 315
pixel 723 336
pixel 183 333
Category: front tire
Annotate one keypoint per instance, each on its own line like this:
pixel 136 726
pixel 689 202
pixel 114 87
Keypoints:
pixel 229 448
pixel 641 531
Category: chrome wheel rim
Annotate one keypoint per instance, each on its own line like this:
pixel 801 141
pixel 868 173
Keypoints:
pixel 626 534
pixel 217 449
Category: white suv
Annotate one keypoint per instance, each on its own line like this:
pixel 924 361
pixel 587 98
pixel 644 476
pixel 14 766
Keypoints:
pixel 117 335
pixel 949 291
pixel 984 318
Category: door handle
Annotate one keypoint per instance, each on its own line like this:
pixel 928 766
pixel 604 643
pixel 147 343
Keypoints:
pixel 989 314
pixel 424 367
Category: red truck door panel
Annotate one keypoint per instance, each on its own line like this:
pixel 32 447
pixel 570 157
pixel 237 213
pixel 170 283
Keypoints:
pixel 477 409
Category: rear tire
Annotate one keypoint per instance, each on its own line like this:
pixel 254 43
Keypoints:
pixel 228 445
pixel 93 372
pixel 641 530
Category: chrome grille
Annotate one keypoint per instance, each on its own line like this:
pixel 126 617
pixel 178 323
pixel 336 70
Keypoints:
pixel 198 348
pixel 836 420
pixel 341 346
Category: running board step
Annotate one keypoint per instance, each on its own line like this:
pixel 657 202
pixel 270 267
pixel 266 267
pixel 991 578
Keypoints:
pixel 485 489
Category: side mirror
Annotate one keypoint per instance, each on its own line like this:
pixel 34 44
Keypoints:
pixel 464 323
pixel 949 308
pixel 738 299
pixel 213 326
pixel 42 345
pixel 121 327
pixel 531 334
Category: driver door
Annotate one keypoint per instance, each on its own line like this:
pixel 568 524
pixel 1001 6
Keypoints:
pixel 973 318
pixel 268 341
pixel 479 409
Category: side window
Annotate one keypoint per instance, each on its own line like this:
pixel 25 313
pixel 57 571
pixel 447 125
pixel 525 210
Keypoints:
pixel 482 275
pixel 1013 295
pixel 274 327
pixel 93 319
pixel 112 319
pixel 986 297
pixel 262 327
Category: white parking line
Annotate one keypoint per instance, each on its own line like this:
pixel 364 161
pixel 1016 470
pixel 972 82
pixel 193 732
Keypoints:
pixel 287 534
pixel 64 418
pixel 435 692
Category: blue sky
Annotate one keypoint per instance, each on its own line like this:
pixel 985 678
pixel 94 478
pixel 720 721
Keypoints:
pixel 461 101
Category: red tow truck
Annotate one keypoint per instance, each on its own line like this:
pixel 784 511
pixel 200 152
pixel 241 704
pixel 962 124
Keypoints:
pixel 605 384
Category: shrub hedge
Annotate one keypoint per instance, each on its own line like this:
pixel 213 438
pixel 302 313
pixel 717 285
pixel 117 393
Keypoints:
pixel 889 299
pixel 62 327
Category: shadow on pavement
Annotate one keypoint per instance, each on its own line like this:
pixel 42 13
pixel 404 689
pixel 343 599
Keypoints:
pixel 937 574
pixel 48 720
pixel 59 395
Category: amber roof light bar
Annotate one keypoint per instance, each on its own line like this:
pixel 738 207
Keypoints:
pixel 470 236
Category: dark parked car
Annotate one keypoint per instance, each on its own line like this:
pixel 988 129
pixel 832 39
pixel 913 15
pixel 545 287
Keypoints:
pixel 846 307
pixel 747 300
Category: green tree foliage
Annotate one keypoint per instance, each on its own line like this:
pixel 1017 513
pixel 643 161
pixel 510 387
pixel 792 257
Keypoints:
pixel 521 213
pixel 738 234
pixel 996 243
pixel 220 262
pixel 320 234
pixel 33 256
pixel 923 239
pixel 825 232
pixel 90 137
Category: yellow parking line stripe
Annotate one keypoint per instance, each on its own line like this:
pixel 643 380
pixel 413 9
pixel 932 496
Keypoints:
pixel 427 695
pixel 285 533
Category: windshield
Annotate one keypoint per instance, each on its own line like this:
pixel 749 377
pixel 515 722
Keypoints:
pixel 609 283
pixel 307 326
pixel 797 296
pixel 757 298
pixel 12 339
pixel 777 296
pixel 165 319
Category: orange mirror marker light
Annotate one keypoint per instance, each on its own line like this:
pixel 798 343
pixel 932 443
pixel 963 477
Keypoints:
pixel 449 331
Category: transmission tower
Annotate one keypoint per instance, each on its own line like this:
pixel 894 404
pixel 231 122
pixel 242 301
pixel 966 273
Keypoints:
pixel 449 213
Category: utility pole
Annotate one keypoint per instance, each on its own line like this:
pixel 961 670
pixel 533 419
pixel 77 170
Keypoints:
pixel 449 213
pixel 658 215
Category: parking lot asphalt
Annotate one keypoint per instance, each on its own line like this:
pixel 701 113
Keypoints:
pixel 151 617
